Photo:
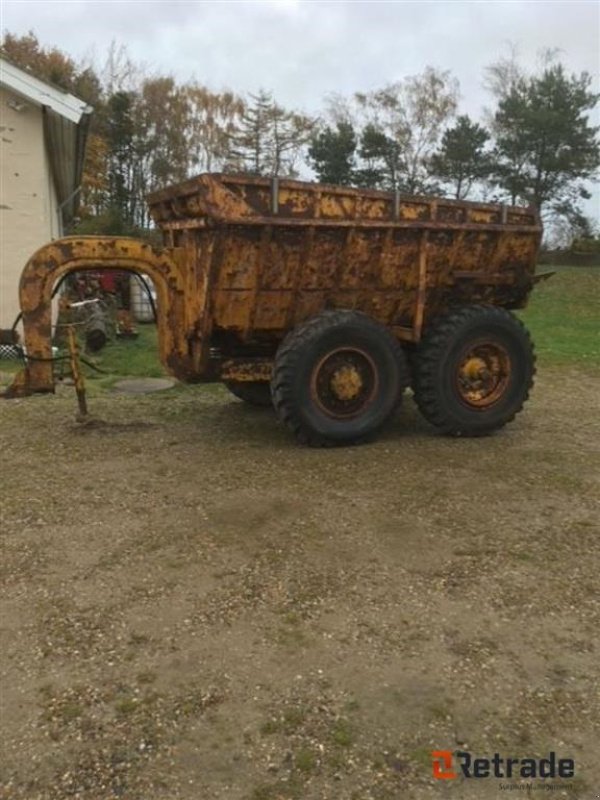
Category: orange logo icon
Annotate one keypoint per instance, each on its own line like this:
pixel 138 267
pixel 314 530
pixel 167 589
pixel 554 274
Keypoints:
pixel 442 765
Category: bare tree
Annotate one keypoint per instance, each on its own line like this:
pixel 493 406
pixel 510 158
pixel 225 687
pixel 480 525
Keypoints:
pixel 212 120
pixel 412 115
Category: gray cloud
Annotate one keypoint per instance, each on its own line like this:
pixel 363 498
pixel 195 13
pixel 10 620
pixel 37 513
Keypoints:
pixel 303 50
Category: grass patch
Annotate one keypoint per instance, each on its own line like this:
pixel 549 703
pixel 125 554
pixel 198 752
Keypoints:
pixel 287 723
pixel 120 358
pixel 127 706
pixel 128 358
pixel 352 705
pixel 294 717
pixel 291 637
pixel 421 756
pixel 10 365
pixel 270 727
pixel 440 711
pixel 146 676
pixel 342 733
pixel 306 760
pixel 264 792
pixel 563 317
pixel 288 790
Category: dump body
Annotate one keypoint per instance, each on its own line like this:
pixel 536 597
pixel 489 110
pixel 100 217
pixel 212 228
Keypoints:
pixel 274 252
pixel 247 259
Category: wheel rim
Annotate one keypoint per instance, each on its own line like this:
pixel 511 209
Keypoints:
pixel 344 382
pixel 483 374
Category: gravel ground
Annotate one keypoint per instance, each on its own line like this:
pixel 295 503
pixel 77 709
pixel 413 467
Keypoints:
pixel 196 608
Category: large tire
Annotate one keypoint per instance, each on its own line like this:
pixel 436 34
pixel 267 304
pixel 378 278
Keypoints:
pixel 255 393
pixel 337 378
pixel 474 369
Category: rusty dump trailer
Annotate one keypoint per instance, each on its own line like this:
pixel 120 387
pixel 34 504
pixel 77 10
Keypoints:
pixel 325 301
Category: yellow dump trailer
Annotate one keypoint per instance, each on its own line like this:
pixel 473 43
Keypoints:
pixel 325 301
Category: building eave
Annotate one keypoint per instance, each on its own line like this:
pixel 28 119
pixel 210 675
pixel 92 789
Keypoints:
pixel 42 94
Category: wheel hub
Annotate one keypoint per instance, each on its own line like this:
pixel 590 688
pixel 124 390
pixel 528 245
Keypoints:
pixel 483 374
pixel 473 367
pixel 344 382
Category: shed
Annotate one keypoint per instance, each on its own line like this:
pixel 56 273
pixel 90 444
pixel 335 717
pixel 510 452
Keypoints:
pixel 43 132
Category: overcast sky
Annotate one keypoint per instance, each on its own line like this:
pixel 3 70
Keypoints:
pixel 305 49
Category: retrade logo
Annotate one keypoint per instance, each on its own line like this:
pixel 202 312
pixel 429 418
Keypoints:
pixel 447 765
pixel 442 765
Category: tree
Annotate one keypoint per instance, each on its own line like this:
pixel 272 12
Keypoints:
pixel 503 74
pixel 51 65
pixel 383 160
pixel 250 146
pixel 120 137
pixel 545 146
pixel 119 73
pixel 461 159
pixel 586 238
pixel 163 122
pixel 48 64
pixel 94 182
pixel 269 138
pixel 573 231
pixel 411 113
pixel 290 132
pixel 332 154
pixel 212 120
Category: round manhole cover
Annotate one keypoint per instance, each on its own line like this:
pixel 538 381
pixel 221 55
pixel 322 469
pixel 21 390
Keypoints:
pixel 142 385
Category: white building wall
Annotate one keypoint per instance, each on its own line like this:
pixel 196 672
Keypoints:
pixel 28 205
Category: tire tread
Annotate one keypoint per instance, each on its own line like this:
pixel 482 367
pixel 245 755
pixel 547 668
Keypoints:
pixel 285 366
pixel 429 352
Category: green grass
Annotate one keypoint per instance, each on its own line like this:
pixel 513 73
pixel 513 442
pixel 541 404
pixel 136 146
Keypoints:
pixel 342 733
pixel 563 316
pixel 118 359
pixel 130 357
pixel 305 760
pixel 9 366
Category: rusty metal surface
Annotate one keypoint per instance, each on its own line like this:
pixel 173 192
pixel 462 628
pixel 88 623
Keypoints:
pixel 76 372
pixel 247 259
pixel 251 200
pixel 247 370
pixel 290 249
pixel 174 286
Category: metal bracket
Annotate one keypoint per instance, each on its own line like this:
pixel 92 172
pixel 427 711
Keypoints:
pixel 275 195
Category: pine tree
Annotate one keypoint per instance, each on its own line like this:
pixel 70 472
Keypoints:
pixel 545 145
pixel 461 159
pixel 383 159
pixel 269 138
pixel 332 154
pixel 250 146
